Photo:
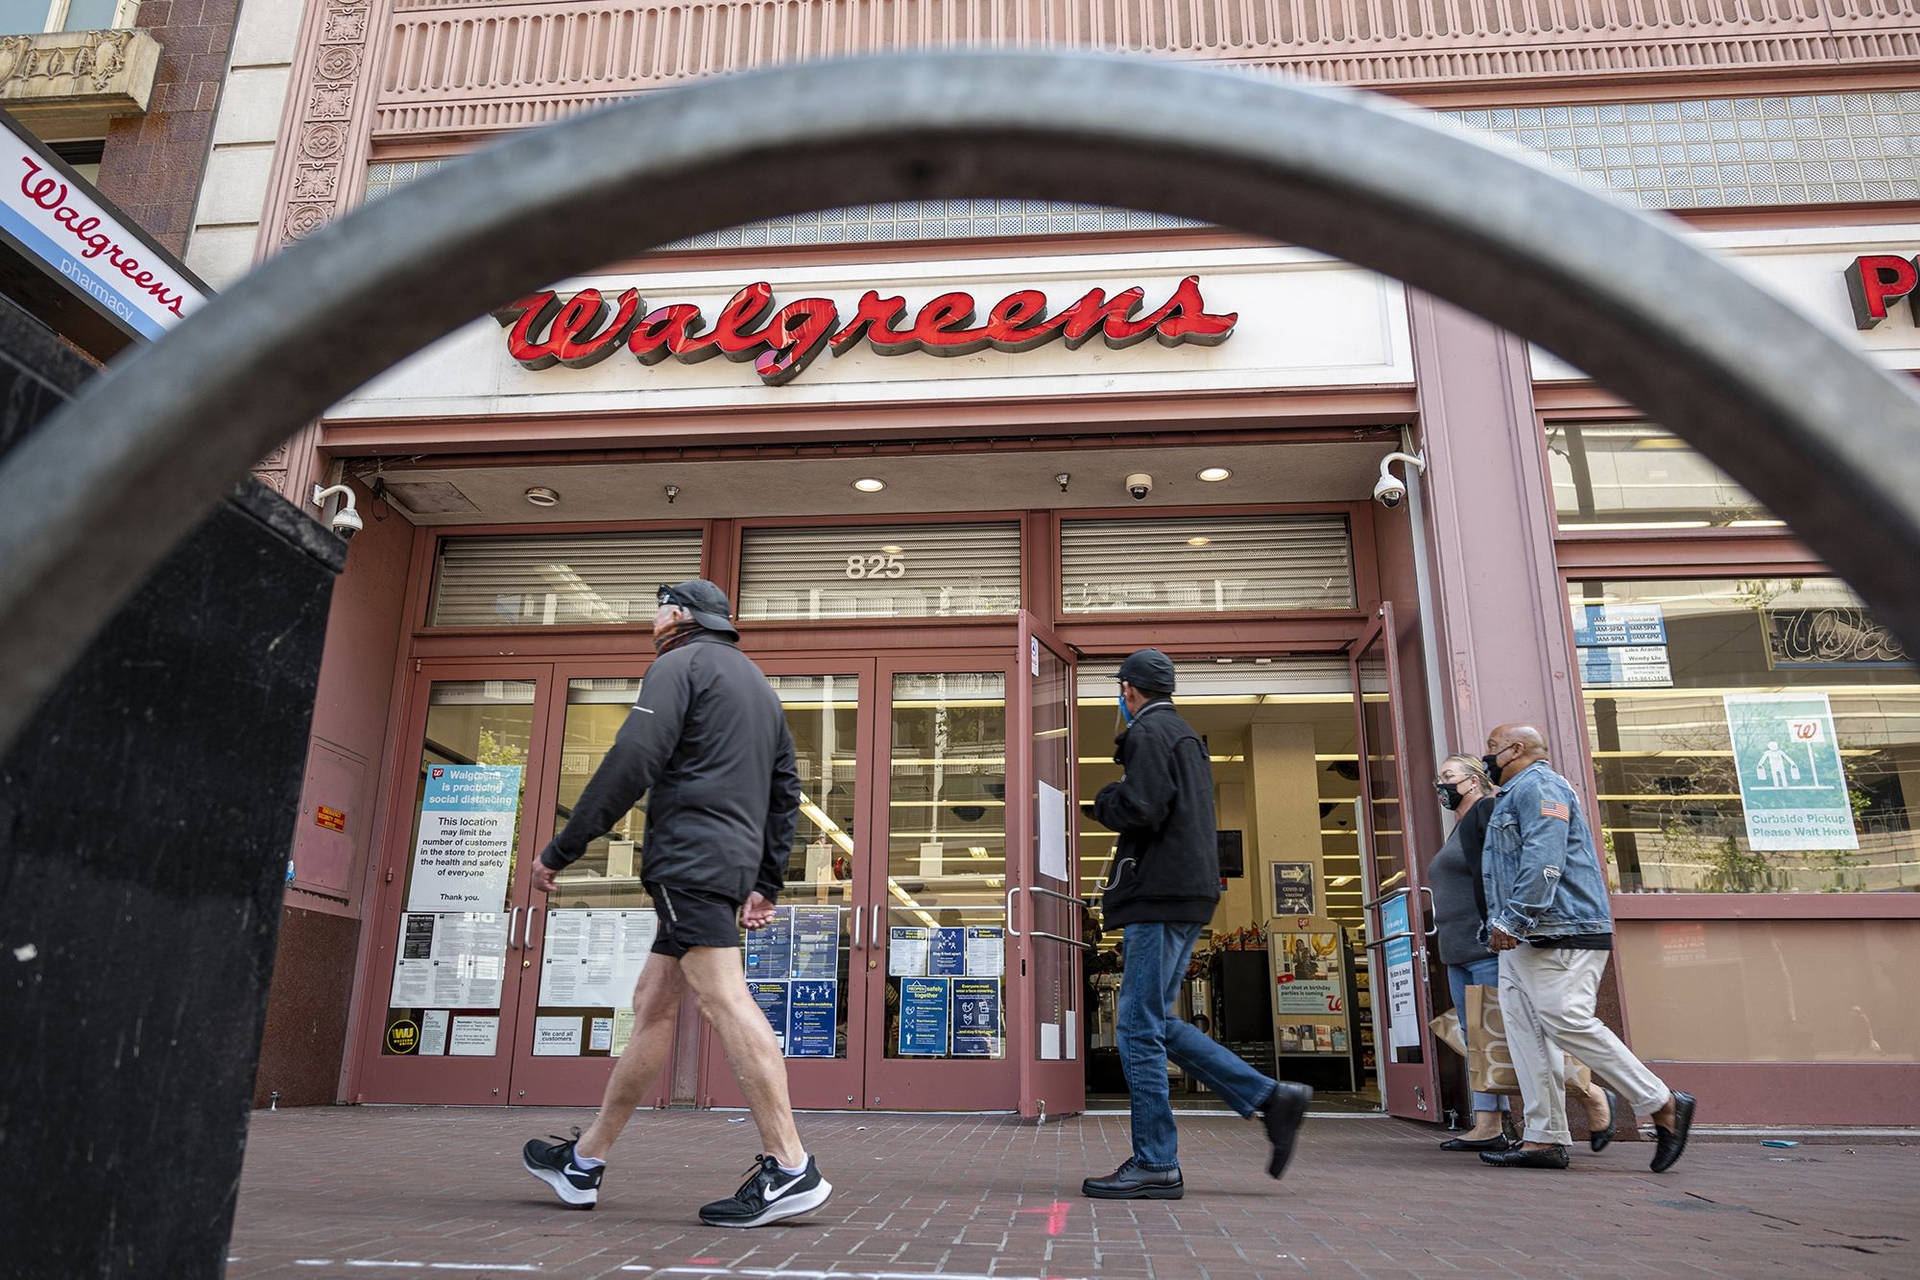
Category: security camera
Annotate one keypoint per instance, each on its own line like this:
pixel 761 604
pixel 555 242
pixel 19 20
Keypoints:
pixel 1390 490
pixel 346 521
pixel 1139 484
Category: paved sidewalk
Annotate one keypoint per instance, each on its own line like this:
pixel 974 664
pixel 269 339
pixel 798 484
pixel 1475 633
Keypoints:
pixel 433 1191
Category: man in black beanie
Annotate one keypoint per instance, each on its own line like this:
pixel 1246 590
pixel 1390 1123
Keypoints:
pixel 1162 891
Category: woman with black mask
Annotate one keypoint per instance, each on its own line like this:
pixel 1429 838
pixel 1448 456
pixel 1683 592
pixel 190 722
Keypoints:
pixel 1459 905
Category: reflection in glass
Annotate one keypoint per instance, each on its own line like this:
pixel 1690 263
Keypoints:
pixel 1630 475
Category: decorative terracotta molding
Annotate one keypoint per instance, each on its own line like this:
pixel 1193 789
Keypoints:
pixel 74 82
pixel 467 66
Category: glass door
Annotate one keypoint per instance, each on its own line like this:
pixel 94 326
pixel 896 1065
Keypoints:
pixel 807 969
pixel 582 947
pixel 936 954
pixel 1048 939
pixel 1396 929
pixel 452 923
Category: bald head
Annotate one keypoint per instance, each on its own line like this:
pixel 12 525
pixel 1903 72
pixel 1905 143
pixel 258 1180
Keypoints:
pixel 1511 748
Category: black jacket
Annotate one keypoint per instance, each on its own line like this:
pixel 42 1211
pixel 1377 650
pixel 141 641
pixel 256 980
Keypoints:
pixel 1167 869
pixel 709 741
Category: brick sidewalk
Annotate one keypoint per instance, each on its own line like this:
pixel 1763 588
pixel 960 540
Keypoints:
pixel 326 1191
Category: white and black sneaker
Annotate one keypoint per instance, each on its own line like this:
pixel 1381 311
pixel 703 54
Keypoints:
pixel 768 1195
pixel 553 1164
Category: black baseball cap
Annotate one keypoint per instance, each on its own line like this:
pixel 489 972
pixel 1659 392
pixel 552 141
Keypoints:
pixel 707 603
pixel 1147 670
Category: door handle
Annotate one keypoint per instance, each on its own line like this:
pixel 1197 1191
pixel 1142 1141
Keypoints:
pixel 512 920
pixel 1011 931
pixel 873 934
pixel 855 944
pixel 526 935
pixel 1433 926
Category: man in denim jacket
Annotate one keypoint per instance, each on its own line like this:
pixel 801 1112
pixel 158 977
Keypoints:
pixel 1551 924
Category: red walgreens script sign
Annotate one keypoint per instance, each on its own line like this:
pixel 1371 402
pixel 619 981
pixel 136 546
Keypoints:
pixel 544 329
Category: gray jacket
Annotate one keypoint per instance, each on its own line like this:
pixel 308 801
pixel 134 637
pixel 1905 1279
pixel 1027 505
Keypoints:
pixel 1459 896
pixel 707 743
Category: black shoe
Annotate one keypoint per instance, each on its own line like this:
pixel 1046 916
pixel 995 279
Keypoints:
pixel 768 1195
pixel 1282 1115
pixel 1525 1158
pixel 1498 1142
pixel 1131 1182
pixel 1669 1143
pixel 1600 1137
pixel 553 1164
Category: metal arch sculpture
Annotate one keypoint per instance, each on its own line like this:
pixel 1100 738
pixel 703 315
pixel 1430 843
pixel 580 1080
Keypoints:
pixel 96 497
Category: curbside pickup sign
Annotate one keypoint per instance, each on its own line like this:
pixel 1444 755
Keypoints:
pixel 58 222
pixel 1792 786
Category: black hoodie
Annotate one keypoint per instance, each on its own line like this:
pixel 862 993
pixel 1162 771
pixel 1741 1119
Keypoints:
pixel 1167 869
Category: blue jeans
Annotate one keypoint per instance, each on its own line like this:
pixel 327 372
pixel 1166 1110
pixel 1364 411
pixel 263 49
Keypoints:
pixel 1484 972
pixel 1155 965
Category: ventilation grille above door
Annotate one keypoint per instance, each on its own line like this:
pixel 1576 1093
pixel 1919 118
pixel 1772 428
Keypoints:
pixel 1206 564
pixel 558 580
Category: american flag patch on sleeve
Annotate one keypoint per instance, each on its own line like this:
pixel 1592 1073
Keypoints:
pixel 1554 809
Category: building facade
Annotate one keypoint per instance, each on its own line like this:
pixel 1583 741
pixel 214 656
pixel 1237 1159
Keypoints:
pixel 940 535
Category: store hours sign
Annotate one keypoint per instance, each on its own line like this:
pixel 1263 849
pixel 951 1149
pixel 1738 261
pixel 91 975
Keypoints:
pixel 581 330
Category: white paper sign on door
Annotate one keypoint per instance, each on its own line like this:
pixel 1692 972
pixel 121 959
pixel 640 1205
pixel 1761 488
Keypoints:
pixel 1053 832
pixel 463 856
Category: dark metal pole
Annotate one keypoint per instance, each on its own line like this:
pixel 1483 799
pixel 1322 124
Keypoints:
pixel 90 504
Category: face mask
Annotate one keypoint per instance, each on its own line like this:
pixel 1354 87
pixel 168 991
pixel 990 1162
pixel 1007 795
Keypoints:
pixel 1493 763
pixel 1125 712
pixel 1449 793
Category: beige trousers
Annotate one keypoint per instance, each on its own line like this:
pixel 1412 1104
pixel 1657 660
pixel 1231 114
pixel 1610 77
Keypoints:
pixel 1546 997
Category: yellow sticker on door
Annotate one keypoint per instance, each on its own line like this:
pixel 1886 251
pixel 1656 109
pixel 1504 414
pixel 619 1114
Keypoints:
pixel 403 1036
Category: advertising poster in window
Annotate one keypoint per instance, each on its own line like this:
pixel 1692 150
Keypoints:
pixel 1293 888
pixel 463 856
pixel 1307 977
pixel 923 1017
pixel 1792 787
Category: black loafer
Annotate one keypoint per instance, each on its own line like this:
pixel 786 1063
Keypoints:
pixel 1669 1143
pixel 1496 1143
pixel 1282 1116
pixel 1523 1158
pixel 1131 1182
pixel 1599 1138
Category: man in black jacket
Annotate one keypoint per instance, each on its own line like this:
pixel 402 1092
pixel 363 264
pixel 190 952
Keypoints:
pixel 1162 891
pixel 709 741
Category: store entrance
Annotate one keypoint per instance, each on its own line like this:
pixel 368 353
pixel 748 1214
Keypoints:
pixel 1283 976
pixel 925 952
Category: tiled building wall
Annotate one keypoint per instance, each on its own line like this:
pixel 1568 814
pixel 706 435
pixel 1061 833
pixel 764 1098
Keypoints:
pixel 153 164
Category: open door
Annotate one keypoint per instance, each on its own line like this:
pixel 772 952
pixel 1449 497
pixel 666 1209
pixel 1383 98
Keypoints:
pixel 1396 922
pixel 1044 912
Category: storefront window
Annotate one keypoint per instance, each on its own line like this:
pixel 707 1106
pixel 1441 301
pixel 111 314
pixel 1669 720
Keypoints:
pixel 1749 736
pixel 1624 476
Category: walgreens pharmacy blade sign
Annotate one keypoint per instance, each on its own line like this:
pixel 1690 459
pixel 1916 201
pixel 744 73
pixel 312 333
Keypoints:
pixel 54 218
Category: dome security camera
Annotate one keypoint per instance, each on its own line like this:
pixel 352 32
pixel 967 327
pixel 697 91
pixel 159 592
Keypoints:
pixel 346 521
pixel 1390 490
pixel 1139 484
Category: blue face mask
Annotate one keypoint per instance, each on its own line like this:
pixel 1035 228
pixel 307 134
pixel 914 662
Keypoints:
pixel 1122 700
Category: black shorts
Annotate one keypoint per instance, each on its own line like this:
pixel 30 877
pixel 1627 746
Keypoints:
pixel 693 918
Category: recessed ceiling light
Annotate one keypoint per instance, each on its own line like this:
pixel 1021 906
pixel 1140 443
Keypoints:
pixel 1214 474
pixel 1199 542
pixel 891 550
pixel 541 496
pixel 867 484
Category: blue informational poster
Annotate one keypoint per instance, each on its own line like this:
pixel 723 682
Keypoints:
pixel 947 957
pixel 770 947
pixel 1403 1024
pixel 812 1012
pixel 816 942
pixel 772 999
pixel 1610 624
pixel 923 1017
pixel 463 853
pixel 976 1018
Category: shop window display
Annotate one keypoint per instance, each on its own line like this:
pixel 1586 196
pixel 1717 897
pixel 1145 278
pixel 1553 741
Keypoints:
pixel 1749 736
